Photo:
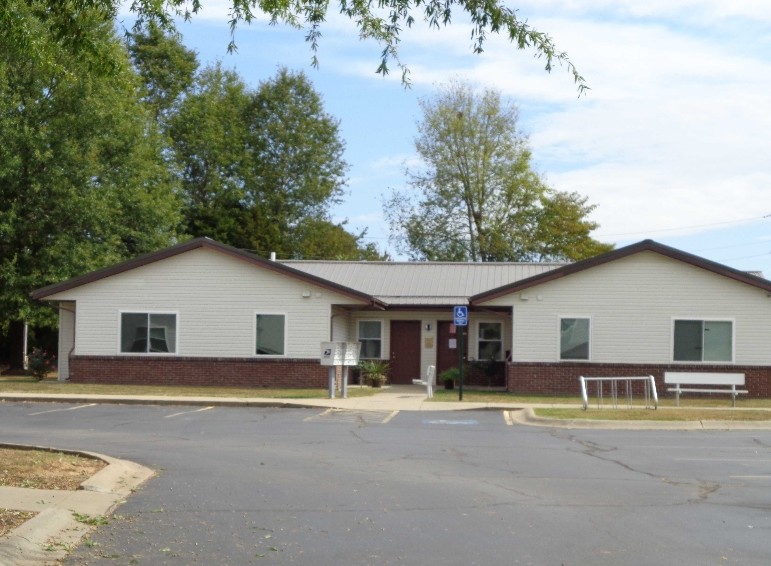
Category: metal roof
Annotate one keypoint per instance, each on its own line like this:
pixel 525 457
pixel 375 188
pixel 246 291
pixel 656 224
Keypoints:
pixel 421 283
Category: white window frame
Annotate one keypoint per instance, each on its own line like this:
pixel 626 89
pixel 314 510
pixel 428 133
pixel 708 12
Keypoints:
pixel 479 340
pixel 121 312
pixel 382 337
pixel 562 317
pixel 254 333
pixel 702 319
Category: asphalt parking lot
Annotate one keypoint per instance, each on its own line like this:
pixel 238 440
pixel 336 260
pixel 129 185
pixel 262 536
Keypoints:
pixel 320 486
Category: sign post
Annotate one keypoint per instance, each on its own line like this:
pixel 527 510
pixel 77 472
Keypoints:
pixel 460 316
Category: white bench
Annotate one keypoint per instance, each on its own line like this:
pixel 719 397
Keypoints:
pixel 727 382
pixel 429 381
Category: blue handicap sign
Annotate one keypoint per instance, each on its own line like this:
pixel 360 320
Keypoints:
pixel 460 314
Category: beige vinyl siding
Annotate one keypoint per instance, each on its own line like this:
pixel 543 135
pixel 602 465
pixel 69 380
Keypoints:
pixel 66 338
pixel 341 321
pixel 632 303
pixel 215 298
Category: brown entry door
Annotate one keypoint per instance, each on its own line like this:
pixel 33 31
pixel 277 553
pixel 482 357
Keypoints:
pixel 405 351
pixel 447 357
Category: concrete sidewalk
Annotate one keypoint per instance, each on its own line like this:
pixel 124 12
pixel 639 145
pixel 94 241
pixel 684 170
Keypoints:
pixel 46 538
pixel 390 398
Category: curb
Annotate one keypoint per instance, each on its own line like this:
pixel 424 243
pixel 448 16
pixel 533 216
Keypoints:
pixel 528 417
pixel 49 536
pixel 121 400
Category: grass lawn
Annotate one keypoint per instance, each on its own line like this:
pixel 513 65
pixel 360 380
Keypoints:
pixel 25 384
pixel 662 414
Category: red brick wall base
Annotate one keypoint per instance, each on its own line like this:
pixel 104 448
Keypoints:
pixel 562 378
pixel 220 372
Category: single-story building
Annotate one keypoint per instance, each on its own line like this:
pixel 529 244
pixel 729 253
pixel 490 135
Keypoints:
pixel 203 313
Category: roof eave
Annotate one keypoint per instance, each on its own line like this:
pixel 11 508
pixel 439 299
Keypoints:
pixel 645 245
pixel 152 257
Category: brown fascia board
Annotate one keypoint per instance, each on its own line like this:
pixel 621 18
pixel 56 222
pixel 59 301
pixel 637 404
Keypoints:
pixel 41 294
pixel 643 246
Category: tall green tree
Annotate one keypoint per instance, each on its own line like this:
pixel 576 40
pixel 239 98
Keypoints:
pixel 167 68
pixel 296 169
pixel 477 198
pixel 82 182
pixel 208 140
pixel 383 22
pixel 257 165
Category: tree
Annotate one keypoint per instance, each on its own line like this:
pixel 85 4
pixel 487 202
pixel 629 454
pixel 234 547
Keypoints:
pixel 208 138
pixel 478 198
pixel 166 66
pixel 382 21
pixel 322 239
pixel 255 165
pixel 259 167
pixel 296 168
pixel 82 181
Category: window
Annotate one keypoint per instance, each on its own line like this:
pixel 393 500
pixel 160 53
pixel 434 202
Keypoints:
pixel 574 338
pixel 371 338
pixel 148 333
pixel 490 341
pixel 703 341
pixel 270 333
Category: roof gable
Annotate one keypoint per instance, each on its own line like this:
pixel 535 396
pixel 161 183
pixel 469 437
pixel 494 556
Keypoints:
pixel 200 243
pixel 643 246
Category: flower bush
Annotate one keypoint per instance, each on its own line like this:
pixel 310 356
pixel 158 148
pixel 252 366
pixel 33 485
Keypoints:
pixel 40 363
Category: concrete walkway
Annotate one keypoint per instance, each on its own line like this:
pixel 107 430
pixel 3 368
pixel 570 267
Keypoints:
pixel 390 398
pixel 46 538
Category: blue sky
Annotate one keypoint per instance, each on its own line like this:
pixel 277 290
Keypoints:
pixel 672 142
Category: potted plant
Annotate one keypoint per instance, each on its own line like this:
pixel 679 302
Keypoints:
pixel 449 377
pixel 374 372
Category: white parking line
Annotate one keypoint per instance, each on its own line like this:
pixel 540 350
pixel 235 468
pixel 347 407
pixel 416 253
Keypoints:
pixel 187 412
pixel 752 460
pixel 314 417
pixel 60 410
pixel 389 417
pixel 507 417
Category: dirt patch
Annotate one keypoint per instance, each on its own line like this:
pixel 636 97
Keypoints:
pixel 10 519
pixel 41 469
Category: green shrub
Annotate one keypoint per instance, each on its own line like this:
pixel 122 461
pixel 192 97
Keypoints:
pixel 40 363
pixel 451 375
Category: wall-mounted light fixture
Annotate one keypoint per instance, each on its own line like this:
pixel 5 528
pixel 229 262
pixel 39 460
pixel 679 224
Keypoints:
pixel 428 327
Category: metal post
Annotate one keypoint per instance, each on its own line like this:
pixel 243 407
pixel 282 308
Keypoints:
pixel 331 374
pixel 460 362
pixel 25 362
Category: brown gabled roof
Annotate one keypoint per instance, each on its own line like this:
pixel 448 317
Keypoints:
pixel 644 246
pixel 206 243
